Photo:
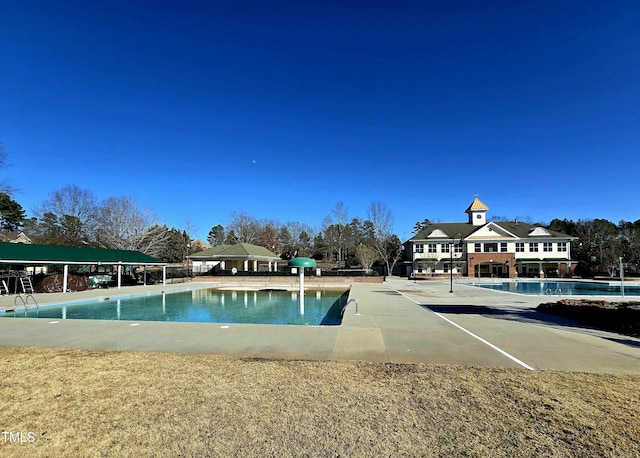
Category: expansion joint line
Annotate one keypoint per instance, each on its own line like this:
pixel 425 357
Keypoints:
pixel 386 350
pixel 489 344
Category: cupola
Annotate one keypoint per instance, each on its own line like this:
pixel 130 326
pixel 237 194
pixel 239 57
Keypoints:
pixel 477 212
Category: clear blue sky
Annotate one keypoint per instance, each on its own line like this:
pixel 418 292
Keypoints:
pixel 283 109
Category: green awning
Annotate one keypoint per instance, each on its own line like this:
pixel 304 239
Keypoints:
pixel 20 253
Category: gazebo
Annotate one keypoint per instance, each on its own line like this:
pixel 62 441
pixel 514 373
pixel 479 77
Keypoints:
pixel 243 257
pixel 23 255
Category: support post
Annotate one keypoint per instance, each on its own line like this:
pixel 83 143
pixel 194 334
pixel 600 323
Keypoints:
pixel 451 269
pixel 621 277
pixel 451 248
pixel 65 278
pixel 301 290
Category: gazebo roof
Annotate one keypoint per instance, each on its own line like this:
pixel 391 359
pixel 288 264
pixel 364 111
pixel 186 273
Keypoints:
pixel 237 251
pixel 20 253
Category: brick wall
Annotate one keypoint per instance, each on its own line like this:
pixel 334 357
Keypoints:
pixel 508 260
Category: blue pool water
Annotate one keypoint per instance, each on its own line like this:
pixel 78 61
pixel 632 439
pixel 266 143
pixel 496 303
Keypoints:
pixel 573 288
pixel 205 306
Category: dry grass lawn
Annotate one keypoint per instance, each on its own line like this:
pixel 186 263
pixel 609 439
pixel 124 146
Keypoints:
pixel 98 403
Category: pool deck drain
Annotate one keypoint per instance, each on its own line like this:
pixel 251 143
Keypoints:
pixel 396 324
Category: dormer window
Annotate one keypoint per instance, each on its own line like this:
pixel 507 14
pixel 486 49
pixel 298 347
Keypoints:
pixel 538 231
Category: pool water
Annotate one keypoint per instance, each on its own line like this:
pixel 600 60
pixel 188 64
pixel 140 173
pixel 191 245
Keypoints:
pixel 564 288
pixel 205 306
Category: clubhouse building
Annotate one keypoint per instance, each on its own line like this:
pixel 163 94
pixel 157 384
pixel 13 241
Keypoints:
pixel 479 248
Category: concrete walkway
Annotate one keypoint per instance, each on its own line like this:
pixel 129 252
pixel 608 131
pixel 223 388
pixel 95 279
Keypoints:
pixel 400 321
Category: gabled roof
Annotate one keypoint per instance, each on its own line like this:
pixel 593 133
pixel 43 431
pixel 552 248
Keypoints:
pixel 492 230
pixel 237 251
pixel 451 230
pixel 523 230
pixel 19 253
pixel 14 237
pixel 518 229
pixel 437 233
pixel 539 231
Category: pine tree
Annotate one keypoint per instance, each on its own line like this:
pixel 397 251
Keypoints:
pixel 12 214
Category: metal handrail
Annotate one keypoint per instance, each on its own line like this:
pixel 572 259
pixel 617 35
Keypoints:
pixel 25 301
pixel 549 292
pixel 345 307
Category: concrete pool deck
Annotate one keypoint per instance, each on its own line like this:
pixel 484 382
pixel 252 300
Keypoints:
pixel 399 321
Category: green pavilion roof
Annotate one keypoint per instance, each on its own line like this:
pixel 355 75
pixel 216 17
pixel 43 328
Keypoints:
pixel 20 253
pixel 237 251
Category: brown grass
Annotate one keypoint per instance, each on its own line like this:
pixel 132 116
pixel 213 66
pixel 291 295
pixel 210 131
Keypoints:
pixel 96 403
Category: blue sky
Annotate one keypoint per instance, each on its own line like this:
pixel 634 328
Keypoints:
pixel 283 109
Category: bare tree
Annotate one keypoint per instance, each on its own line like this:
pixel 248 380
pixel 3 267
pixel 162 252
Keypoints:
pixel 296 229
pixel 383 241
pixel 340 213
pixel 190 229
pixel 123 225
pixel 302 236
pixel 4 186
pixel 77 209
pixel 335 228
pixel 155 241
pixel 366 255
pixel 630 235
pixel 245 228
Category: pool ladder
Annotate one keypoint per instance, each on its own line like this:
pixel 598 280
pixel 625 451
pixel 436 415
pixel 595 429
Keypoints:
pixel 25 301
pixel 345 307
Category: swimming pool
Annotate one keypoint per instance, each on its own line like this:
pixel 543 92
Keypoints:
pixel 568 288
pixel 320 307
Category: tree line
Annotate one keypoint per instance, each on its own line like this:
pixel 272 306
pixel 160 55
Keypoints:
pixel 599 244
pixel 73 216
pixel 341 240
